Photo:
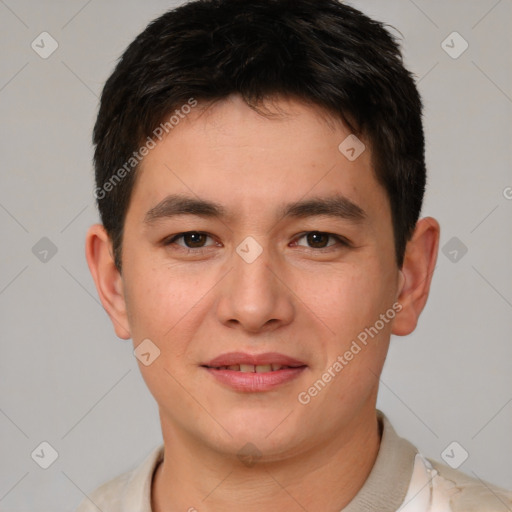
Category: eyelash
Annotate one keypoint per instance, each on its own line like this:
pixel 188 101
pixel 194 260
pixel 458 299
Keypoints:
pixel 198 250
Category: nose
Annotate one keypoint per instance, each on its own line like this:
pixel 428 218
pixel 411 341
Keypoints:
pixel 254 295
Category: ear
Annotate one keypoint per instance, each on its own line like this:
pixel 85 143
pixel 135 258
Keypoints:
pixel 416 275
pixel 108 280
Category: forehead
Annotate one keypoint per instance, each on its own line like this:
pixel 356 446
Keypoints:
pixel 252 163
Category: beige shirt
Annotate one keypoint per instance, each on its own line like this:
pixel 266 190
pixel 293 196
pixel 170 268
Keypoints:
pixel 401 480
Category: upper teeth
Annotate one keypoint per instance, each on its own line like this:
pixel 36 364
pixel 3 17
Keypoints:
pixel 251 368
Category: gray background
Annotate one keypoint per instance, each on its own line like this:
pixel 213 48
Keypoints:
pixel 65 377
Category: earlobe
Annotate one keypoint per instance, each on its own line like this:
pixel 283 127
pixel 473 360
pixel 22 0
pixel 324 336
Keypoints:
pixel 416 275
pixel 108 280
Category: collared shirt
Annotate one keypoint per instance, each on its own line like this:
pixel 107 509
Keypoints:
pixel 401 480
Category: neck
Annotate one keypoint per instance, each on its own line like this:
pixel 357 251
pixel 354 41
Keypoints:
pixel 325 478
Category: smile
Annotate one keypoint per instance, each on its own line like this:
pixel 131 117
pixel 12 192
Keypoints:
pixel 251 368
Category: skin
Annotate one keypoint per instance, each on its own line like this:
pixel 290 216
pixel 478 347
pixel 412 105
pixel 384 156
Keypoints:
pixel 305 301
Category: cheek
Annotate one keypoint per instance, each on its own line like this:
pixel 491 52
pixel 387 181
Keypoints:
pixel 160 306
pixel 349 301
pixel 346 298
pixel 157 298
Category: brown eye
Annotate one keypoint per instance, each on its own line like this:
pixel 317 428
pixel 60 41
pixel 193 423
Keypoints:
pixel 191 240
pixel 319 239
pixel 194 240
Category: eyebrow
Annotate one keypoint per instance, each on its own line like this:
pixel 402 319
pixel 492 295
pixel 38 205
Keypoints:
pixel 336 206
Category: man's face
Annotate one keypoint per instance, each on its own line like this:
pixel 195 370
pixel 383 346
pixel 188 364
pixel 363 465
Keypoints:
pixel 307 295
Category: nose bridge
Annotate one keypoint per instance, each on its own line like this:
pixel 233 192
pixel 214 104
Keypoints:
pixel 252 263
pixel 252 295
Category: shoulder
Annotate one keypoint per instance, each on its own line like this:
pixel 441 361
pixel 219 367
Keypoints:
pixel 130 491
pixel 469 494
pixel 107 496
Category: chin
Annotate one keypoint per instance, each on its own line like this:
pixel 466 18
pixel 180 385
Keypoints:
pixel 261 426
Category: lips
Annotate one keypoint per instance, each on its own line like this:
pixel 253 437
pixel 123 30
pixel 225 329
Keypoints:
pixel 255 363
pixel 251 368
pixel 254 372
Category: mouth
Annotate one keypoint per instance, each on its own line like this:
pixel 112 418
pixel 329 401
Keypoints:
pixel 256 372
pixel 242 361
pixel 251 368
